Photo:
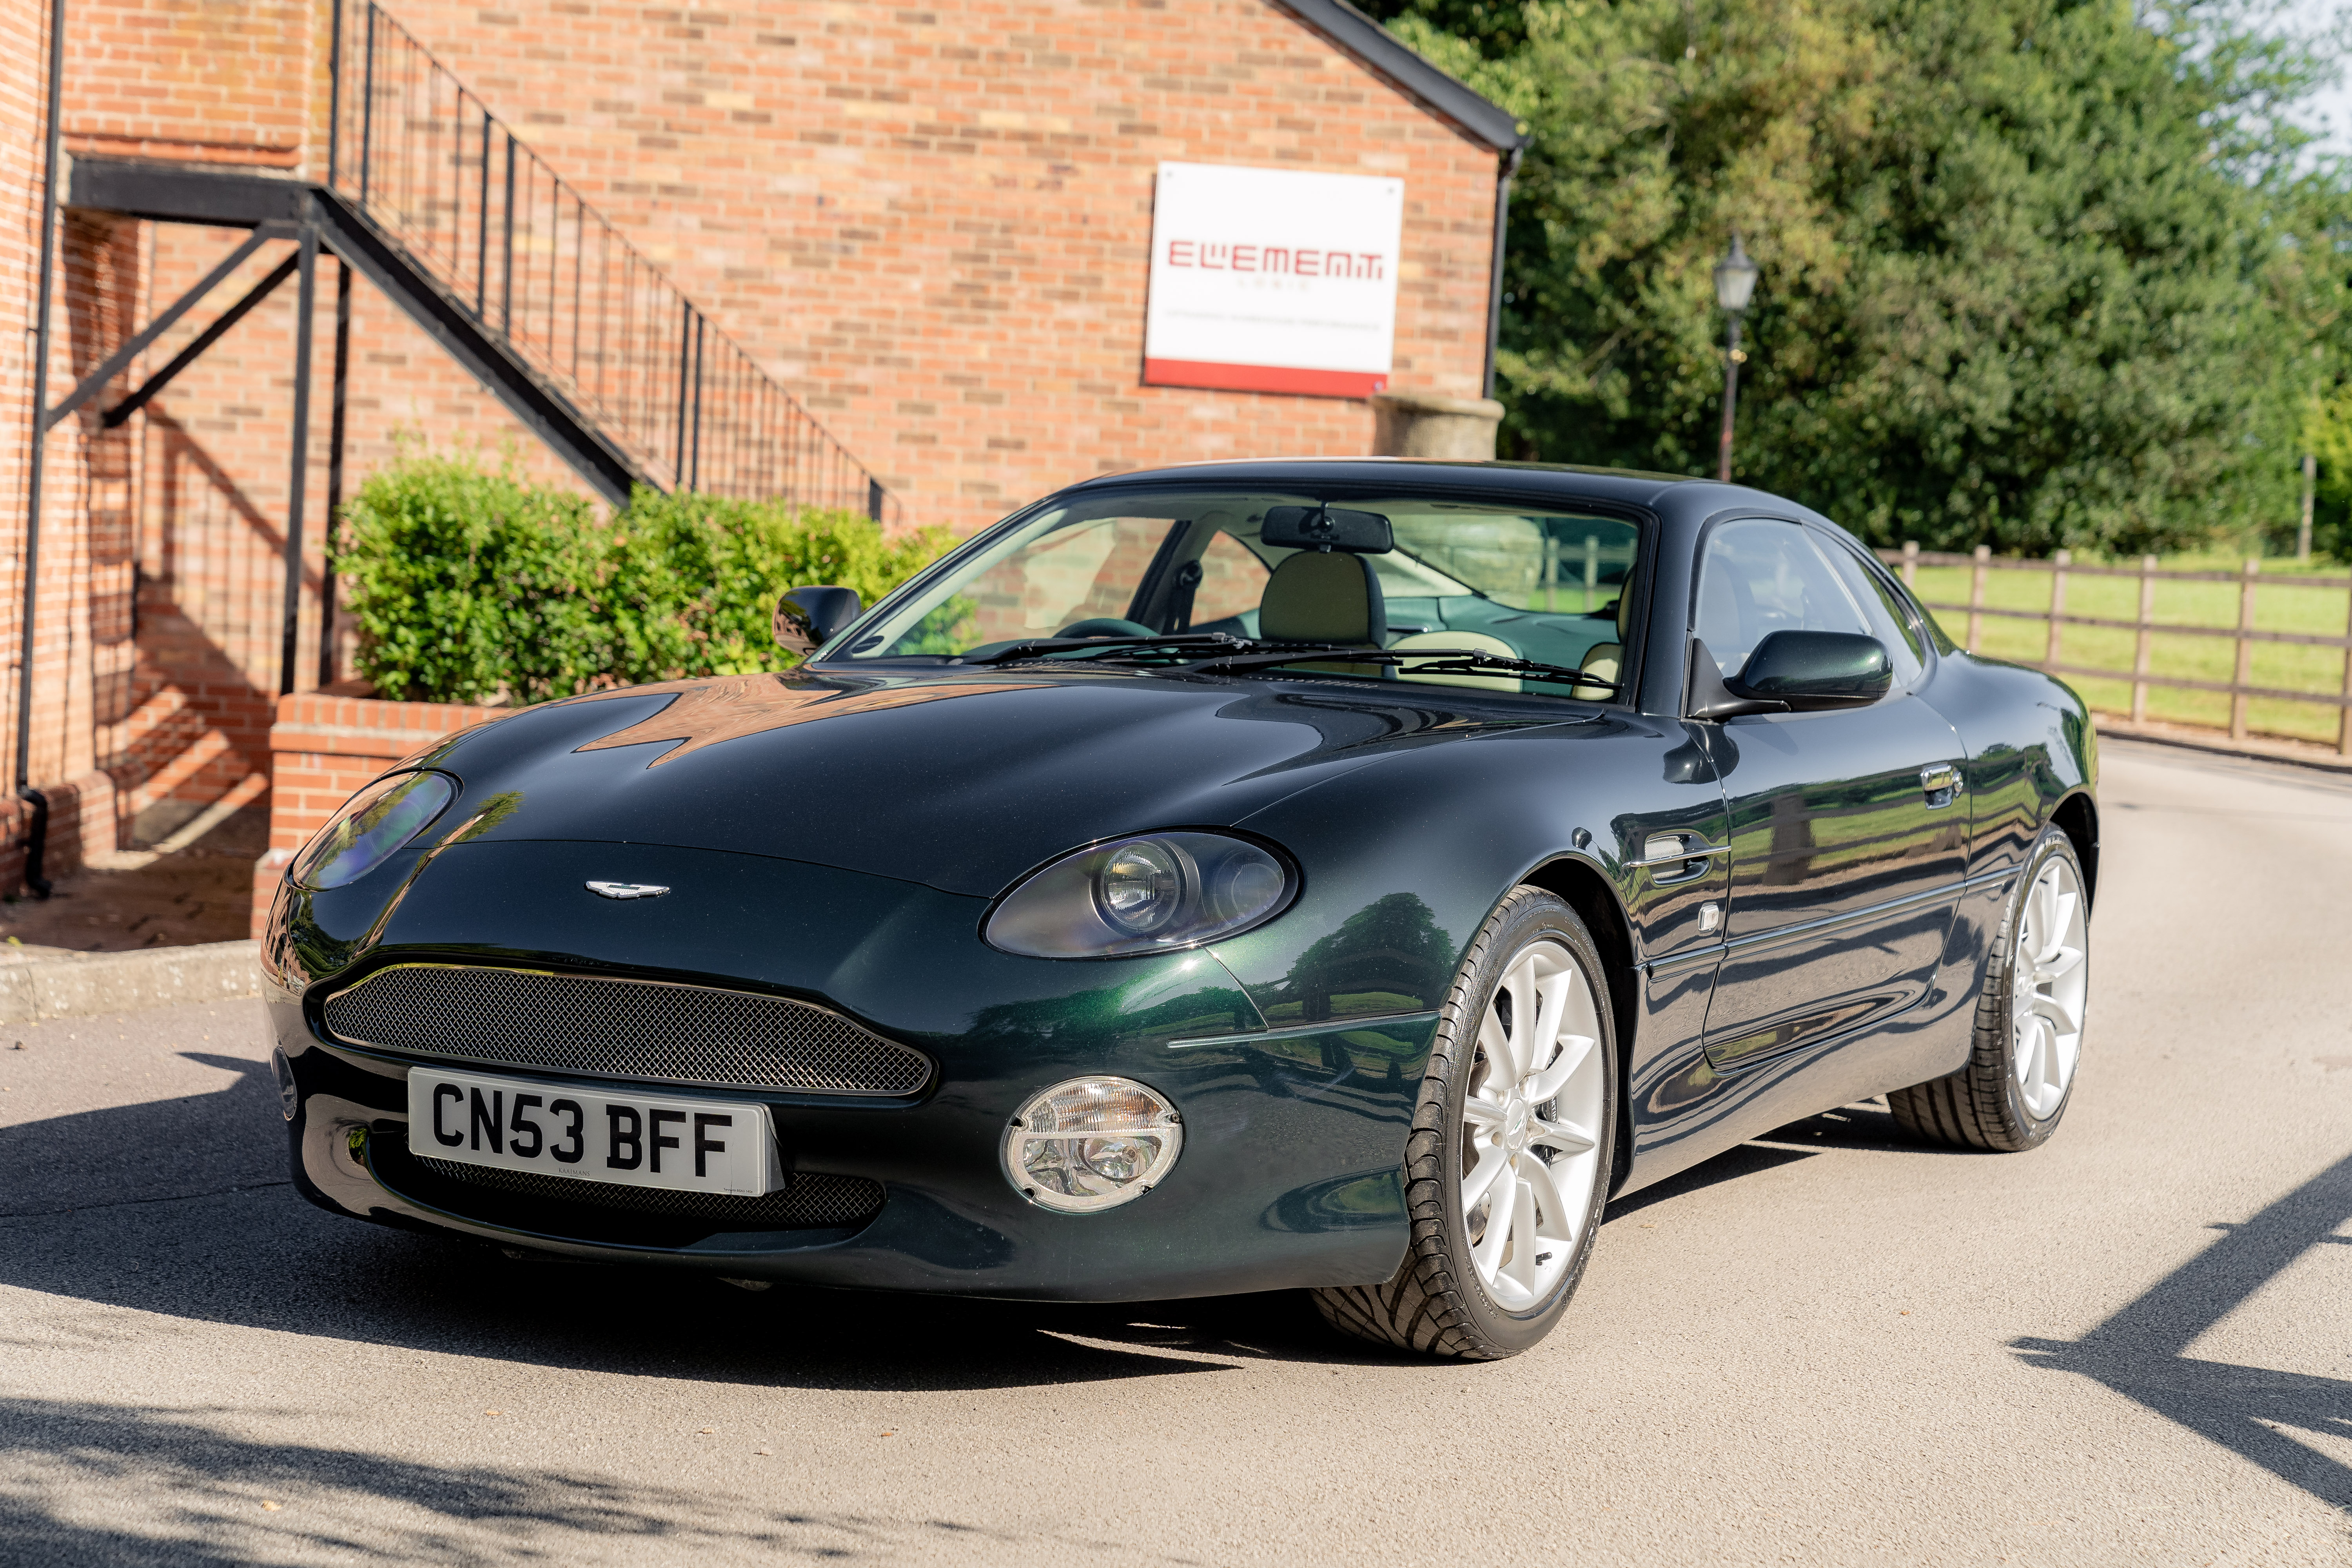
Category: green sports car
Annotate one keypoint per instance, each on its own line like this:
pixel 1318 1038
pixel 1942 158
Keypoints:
pixel 1333 875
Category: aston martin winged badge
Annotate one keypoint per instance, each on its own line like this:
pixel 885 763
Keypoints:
pixel 627 890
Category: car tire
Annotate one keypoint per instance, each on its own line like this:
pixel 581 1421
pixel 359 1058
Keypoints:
pixel 1467 1288
pixel 2020 1076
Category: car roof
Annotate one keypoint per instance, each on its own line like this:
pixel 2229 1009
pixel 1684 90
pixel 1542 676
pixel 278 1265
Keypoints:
pixel 1624 486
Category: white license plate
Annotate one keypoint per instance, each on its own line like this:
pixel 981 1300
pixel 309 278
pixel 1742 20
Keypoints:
pixel 559 1129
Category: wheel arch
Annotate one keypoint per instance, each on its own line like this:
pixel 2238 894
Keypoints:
pixel 2077 817
pixel 1583 887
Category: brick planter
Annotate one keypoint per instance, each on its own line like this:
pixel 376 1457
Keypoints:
pixel 324 747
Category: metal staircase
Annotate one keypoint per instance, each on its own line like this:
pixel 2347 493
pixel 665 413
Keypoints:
pixel 439 204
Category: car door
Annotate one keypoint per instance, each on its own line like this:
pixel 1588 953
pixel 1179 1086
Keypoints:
pixel 1848 836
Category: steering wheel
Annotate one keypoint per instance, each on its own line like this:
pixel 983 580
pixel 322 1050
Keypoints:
pixel 1105 626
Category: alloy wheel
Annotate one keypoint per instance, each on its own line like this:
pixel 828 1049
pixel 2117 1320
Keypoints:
pixel 1529 1135
pixel 2048 986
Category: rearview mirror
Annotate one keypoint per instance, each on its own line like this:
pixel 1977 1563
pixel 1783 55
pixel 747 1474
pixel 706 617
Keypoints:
pixel 1327 528
pixel 1792 672
pixel 807 618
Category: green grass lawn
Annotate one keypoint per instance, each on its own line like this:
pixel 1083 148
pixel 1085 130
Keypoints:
pixel 2280 604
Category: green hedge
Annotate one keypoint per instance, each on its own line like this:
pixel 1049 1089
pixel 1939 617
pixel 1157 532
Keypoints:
pixel 471 586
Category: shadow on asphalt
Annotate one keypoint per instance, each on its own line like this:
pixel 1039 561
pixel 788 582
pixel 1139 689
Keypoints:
pixel 1850 1127
pixel 97 1207
pixel 184 1491
pixel 89 1210
pixel 2251 1411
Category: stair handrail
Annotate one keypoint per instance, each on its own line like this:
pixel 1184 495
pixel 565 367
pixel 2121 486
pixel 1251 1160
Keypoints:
pixel 520 252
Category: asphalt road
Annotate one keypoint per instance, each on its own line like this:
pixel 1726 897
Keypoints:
pixel 1828 1346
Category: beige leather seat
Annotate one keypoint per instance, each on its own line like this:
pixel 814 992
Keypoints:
pixel 1607 659
pixel 1472 642
pixel 1603 659
pixel 1324 596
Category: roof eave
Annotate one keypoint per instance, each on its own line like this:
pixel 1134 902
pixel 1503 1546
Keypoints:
pixel 1380 52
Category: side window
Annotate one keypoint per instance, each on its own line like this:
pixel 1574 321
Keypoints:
pixel 1758 578
pixel 1890 618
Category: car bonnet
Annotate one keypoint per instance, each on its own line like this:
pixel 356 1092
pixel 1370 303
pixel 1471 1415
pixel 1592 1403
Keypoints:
pixel 960 780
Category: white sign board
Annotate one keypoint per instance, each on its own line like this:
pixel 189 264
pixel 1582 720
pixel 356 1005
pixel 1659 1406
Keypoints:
pixel 1273 280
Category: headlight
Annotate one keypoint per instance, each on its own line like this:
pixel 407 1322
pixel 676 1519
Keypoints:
pixel 371 827
pixel 1091 1143
pixel 1142 895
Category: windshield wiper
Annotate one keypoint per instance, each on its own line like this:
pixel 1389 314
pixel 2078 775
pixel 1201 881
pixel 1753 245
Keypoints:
pixel 1424 661
pixel 1181 651
pixel 1060 647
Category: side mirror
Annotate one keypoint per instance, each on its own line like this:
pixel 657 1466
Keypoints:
pixel 1792 672
pixel 1811 670
pixel 807 618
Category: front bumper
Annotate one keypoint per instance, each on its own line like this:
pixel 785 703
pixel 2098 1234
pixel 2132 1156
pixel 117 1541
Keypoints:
pixel 1292 1173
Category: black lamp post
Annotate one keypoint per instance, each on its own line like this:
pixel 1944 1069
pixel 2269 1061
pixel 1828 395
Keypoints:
pixel 1735 284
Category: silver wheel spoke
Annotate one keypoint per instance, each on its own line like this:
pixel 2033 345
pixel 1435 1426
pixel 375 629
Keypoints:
pixel 1558 994
pixel 1520 983
pixel 2050 1007
pixel 1492 1163
pixel 1550 1204
pixel 2057 961
pixel 1565 1136
pixel 1496 1044
pixel 1488 1253
pixel 2041 914
pixel 1522 1261
pixel 1573 1050
pixel 2062 919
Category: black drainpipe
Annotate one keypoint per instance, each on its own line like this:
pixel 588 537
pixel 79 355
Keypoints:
pixel 1494 270
pixel 38 838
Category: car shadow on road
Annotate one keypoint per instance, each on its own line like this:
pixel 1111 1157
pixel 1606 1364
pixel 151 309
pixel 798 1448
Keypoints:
pixel 1866 1126
pixel 181 1207
pixel 2140 1350
pixel 182 1488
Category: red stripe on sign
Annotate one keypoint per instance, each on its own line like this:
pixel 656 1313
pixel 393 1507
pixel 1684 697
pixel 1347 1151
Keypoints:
pixel 1263 378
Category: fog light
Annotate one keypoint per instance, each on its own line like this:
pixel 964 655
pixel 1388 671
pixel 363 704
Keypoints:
pixel 1091 1143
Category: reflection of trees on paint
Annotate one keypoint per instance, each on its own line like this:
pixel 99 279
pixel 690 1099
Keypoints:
pixel 493 810
pixel 1371 1066
pixel 1388 957
pixel 1111 1014
pixel 1343 1203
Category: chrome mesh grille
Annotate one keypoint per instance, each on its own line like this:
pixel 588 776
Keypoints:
pixel 620 1028
pixel 807 1202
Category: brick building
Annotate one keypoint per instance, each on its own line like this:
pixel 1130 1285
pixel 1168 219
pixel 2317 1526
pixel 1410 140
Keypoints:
pixel 853 253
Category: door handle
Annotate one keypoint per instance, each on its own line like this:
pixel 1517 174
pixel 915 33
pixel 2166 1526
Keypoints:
pixel 1940 783
pixel 1687 853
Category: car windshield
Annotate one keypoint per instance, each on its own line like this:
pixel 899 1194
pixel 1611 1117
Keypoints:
pixel 1512 582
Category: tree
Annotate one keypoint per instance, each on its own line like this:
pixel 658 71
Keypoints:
pixel 2022 258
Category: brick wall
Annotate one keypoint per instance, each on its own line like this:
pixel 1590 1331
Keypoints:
pixel 23 52
pixel 218 81
pixel 932 223
pixel 82 648
pixel 214 472
pixel 325 747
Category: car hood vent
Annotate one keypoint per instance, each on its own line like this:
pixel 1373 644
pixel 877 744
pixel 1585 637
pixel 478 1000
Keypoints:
pixel 643 1030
